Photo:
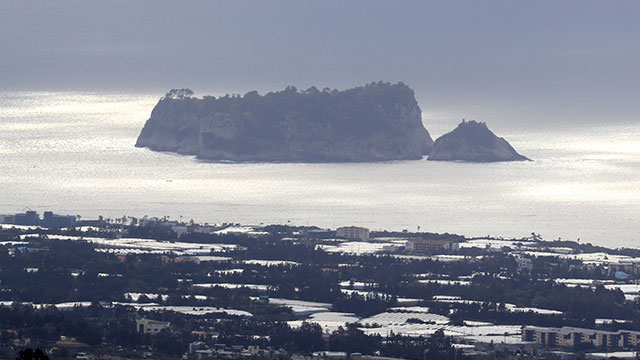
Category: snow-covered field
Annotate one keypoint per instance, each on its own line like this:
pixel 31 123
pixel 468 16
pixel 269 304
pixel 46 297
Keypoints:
pixel 445 297
pixel 631 291
pixel 13 243
pixel 495 244
pixel 413 309
pixel 445 282
pixel 226 271
pixel 360 247
pixel 400 318
pixel 357 284
pixel 442 257
pixel 240 229
pixel 103 275
pixel 188 310
pixel 480 333
pixel 270 262
pixel 582 282
pixel 192 310
pixel 451 258
pixel 234 286
pixel 625 288
pixel 598 258
pixel 212 258
pixel 609 355
pixel 60 306
pixel 136 245
pixel 330 321
pixel 540 311
pixel 407 301
pixel 301 307
pixel 134 296
pixel 21 227
pixel 508 307
pixel 363 293
pixel 611 321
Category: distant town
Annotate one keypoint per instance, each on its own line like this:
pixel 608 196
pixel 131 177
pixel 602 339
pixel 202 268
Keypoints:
pixel 151 287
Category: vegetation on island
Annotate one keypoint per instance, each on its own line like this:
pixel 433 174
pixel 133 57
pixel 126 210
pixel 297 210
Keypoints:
pixel 376 122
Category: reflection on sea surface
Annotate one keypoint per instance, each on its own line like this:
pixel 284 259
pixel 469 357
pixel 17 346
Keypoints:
pixel 74 153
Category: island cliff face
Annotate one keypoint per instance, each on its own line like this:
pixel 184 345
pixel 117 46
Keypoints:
pixel 375 122
pixel 472 141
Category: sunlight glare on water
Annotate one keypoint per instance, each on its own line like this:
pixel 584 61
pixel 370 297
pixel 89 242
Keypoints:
pixel 74 153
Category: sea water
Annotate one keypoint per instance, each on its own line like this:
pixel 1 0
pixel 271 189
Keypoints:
pixel 74 153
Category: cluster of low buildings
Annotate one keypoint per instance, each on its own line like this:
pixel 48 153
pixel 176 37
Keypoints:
pixel 415 246
pixel 547 337
pixel 200 351
pixel 178 227
pixel 339 355
pixel 624 269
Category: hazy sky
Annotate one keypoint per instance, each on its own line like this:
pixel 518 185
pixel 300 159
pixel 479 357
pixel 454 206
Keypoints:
pixel 570 54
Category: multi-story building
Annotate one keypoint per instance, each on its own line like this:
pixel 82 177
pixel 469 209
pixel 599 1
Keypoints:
pixel 148 326
pixel 426 246
pixel 570 336
pixel 6 219
pixel 28 218
pixel 352 232
pixel 52 220
pixel 524 264
pixel 32 218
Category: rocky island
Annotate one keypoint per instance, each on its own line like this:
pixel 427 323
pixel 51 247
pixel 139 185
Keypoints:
pixel 472 141
pixel 376 122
